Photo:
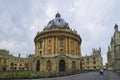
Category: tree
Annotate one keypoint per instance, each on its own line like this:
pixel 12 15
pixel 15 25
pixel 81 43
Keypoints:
pixel 5 52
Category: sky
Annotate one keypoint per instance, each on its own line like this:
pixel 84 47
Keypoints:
pixel 94 20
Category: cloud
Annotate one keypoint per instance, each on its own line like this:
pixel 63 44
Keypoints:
pixel 15 47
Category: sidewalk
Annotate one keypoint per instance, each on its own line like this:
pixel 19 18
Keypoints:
pixel 114 76
pixel 118 73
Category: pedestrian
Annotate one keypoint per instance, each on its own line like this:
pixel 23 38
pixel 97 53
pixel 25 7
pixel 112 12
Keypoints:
pixel 101 72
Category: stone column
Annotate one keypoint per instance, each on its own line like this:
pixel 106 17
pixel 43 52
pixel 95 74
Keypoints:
pixel 68 45
pixel 52 45
pixel 37 48
pixel 56 45
pixel 44 46
pixel 66 49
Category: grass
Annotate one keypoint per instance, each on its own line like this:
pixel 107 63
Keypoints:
pixel 24 74
pixel 31 74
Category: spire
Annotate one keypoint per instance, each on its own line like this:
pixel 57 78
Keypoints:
pixel 116 27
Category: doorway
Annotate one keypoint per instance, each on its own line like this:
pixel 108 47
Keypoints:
pixel 61 66
pixel 38 65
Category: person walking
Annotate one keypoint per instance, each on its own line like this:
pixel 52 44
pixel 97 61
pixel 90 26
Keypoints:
pixel 101 71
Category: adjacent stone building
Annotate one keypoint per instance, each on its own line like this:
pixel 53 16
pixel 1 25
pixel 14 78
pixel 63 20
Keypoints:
pixel 92 62
pixel 3 62
pixel 14 63
pixel 57 47
pixel 113 54
pixel 19 63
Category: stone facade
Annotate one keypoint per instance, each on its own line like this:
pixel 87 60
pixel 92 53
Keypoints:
pixel 3 62
pixel 113 54
pixel 12 63
pixel 92 62
pixel 57 47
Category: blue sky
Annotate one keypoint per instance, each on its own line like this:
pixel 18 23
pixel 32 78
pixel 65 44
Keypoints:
pixel 94 20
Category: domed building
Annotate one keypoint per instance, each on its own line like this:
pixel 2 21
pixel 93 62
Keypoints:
pixel 57 47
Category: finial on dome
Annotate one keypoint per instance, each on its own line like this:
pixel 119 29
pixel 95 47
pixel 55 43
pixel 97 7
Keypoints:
pixel 58 15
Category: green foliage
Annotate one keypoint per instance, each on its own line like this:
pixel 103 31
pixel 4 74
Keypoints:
pixel 24 74
pixel 31 74
pixel 5 52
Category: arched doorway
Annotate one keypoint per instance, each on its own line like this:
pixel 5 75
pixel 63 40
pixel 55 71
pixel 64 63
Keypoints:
pixel 61 65
pixel 48 65
pixel 38 65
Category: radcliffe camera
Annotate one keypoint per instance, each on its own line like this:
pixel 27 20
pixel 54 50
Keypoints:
pixel 52 40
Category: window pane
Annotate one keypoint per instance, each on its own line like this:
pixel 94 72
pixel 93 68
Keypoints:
pixel 61 42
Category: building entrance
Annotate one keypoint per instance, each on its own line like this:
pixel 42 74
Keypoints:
pixel 61 65
pixel 38 65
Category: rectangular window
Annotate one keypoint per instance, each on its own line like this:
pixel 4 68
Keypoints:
pixel 93 58
pixel 15 64
pixel 12 64
pixel 83 63
pixel 20 64
pixel 88 67
pixel 72 51
pixel 49 41
pixel 61 42
pixel 94 62
pixel 49 50
pixel 22 68
pixel 82 59
pixel 19 68
pixel 94 67
pixel 40 52
pixel 25 64
pixel 4 61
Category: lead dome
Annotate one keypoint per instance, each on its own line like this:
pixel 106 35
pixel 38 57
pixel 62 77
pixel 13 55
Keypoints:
pixel 57 21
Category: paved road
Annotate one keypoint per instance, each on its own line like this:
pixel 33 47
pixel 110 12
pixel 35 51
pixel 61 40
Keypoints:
pixel 88 76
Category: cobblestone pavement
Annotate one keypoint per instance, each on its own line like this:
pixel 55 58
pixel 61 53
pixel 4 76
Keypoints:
pixel 88 76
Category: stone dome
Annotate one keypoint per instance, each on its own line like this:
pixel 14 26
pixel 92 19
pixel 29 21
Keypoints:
pixel 57 21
